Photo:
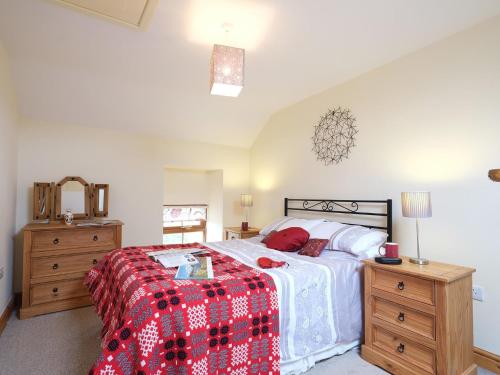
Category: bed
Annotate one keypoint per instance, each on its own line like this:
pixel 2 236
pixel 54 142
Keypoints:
pixel 245 321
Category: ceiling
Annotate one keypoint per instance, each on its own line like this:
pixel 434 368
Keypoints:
pixel 75 68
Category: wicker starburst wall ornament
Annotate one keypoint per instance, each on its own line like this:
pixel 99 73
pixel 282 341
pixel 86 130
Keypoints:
pixel 333 137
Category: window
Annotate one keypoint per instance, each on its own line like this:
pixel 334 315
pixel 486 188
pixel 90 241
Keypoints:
pixel 184 224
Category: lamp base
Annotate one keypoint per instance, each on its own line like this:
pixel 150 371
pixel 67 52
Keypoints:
pixel 244 226
pixel 420 261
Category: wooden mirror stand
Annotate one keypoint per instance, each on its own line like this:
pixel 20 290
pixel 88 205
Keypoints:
pixel 100 193
pixel 42 200
pixel 50 200
pixel 68 189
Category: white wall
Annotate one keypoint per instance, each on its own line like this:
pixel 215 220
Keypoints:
pixel 188 186
pixel 185 186
pixel 8 135
pixel 215 223
pixel 132 164
pixel 428 121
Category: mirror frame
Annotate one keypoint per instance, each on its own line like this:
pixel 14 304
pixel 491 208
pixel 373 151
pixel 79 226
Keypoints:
pixel 95 200
pixel 87 213
pixel 38 187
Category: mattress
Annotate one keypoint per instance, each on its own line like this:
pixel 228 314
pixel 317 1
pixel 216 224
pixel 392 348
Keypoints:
pixel 320 301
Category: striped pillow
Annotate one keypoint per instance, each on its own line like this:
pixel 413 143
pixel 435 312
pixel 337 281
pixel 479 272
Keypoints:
pixel 356 239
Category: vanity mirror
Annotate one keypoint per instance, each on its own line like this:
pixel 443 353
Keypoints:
pixel 84 200
pixel 73 194
pixel 100 194
pixel 42 200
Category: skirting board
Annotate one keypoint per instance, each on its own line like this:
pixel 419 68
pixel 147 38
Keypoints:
pixel 487 360
pixel 6 314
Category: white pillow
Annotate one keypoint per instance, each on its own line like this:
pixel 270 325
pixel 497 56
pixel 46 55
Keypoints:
pixel 288 222
pixel 356 240
pixel 305 224
pixel 325 230
pixel 275 224
pixel 372 252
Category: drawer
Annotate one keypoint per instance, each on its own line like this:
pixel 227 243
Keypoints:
pixel 77 238
pixel 404 349
pixel 63 264
pixel 412 287
pixel 233 236
pixel 404 317
pixel 57 291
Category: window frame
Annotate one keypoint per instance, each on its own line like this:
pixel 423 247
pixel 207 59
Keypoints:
pixel 181 229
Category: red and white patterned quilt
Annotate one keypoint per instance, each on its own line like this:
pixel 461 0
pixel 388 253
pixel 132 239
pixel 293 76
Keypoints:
pixel 154 324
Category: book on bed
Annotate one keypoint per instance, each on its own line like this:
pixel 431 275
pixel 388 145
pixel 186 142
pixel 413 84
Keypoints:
pixel 200 270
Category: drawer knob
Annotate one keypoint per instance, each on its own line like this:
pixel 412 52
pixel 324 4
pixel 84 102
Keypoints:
pixel 95 237
pixel 55 266
pixel 401 317
pixel 55 241
pixel 401 348
pixel 94 261
pixel 401 285
pixel 55 290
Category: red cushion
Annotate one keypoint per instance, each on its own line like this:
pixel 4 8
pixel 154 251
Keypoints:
pixel 289 239
pixel 314 247
pixel 266 238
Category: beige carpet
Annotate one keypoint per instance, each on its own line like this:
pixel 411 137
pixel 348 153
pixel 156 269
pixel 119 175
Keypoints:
pixel 68 343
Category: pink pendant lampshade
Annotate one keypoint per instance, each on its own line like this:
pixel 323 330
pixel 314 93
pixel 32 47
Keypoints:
pixel 227 70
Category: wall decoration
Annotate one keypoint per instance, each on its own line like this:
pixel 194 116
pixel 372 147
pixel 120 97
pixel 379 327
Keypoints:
pixel 333 137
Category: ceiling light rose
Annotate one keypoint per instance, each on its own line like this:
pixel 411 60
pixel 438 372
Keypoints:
pixel 227 70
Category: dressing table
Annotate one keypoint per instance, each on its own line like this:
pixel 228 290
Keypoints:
pixel 56 255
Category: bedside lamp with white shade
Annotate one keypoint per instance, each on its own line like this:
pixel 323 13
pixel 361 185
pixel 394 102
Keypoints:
pixel 417 204
pixel 246 202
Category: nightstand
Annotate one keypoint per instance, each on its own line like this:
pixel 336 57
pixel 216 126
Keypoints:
pixel 418 319
pixel 235 233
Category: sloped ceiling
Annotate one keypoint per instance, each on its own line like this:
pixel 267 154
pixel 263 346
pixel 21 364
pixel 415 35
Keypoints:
pixel 75 68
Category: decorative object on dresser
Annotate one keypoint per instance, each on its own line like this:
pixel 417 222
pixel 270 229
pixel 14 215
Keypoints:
pixel 68 217
pixel 418 320
pixel 56 258
pixel 84 200
pixel 236 233
pixel 417 204
pixel 246 202
pixel 333 137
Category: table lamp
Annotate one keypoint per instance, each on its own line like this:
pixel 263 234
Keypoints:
pixel 417 204
pixel 246 202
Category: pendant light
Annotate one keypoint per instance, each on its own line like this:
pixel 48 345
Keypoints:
pixel 227 68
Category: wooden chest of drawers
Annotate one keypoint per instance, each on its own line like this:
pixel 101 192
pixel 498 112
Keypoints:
pixel 418 319
pixel 55 260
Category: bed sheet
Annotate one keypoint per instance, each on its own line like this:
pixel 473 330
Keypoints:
pixel 320 301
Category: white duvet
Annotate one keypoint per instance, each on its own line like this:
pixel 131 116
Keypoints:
pixel 319 300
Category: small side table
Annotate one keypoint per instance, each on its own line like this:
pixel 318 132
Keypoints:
pixel 235 233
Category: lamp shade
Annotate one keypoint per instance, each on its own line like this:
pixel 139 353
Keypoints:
pixel 226 70
pixel 246 200
pixel 416 204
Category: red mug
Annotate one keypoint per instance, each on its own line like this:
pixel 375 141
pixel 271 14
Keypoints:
pixel 391 250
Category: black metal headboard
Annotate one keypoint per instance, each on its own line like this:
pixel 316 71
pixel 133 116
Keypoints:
pixel 346 207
